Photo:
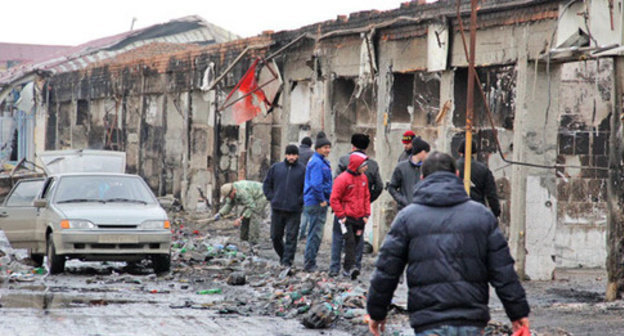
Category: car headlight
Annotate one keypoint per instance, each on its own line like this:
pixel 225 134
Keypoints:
pixel 155 225
pixel 77 224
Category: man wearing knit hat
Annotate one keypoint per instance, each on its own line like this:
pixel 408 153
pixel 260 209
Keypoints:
pixel 407 174
pixel 482 184
pixel 316 193
pixel 408 136
pixel 360 143
pixel 283 187
pixel 249 196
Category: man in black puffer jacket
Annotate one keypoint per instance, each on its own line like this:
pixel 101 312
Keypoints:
pixel 283 187
pixel 452 248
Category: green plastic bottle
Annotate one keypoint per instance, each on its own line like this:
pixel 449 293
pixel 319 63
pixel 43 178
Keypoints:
pixel 209 291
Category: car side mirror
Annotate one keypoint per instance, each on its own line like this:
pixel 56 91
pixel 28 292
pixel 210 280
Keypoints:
pixel 40 203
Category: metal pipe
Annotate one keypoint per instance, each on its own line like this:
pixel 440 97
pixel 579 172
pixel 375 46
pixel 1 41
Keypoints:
pixel 470 95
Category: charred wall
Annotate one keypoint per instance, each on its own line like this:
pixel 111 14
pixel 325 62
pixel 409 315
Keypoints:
pixel 154 110
pixel 583 146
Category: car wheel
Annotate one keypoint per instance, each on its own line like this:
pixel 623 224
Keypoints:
pixel 55 263
pixel 161 263
pixel 37 259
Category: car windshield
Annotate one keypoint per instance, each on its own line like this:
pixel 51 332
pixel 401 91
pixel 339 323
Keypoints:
pixel 123 189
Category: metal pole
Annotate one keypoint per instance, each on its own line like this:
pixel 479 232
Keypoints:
pixel 470 95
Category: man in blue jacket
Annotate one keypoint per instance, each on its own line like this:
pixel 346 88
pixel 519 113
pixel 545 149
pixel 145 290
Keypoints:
pixel 452 248
pixel 316 193
pixel 283 187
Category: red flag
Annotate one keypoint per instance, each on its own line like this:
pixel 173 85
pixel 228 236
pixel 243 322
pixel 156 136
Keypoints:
pixel 254 100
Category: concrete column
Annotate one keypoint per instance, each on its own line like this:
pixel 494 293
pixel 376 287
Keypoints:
pixel 533 209
pixel 383 207
pixel 445 127
pixel 615 217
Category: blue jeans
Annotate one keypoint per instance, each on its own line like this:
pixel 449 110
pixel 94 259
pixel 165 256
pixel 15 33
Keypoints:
pixel 316 215
pixel 447 330
pixel 336 249
pixel 303 225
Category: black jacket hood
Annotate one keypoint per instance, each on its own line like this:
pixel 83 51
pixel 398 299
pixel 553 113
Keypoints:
pixel 440 189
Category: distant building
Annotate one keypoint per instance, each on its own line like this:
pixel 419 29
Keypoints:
pixel 27 67
pixel 13 54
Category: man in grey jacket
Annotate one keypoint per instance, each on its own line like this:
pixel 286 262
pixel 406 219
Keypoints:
pixel 407 174
pixel 305 153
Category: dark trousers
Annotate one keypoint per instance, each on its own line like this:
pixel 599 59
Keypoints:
pixel 352 239
pixel 338 245
pixel 285 221
pixel 244 229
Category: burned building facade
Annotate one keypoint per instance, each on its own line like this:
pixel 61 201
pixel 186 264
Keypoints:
pixel 548 139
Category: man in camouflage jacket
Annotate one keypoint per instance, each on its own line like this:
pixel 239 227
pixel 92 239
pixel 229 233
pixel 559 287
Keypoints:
pixel 249 196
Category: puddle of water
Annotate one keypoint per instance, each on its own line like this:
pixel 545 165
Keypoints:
pixel 46 301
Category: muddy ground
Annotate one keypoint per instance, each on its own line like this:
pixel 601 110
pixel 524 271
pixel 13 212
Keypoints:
pixel 120 299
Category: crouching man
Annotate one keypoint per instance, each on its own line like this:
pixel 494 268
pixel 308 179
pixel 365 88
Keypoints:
pixel 350 200
pixel 452 248
pixel 248 195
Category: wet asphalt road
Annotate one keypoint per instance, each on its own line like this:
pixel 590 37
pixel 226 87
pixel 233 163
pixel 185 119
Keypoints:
pixel 79 303
pixel 112 299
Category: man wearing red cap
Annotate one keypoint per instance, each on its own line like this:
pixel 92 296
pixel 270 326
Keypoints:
pixel 408 136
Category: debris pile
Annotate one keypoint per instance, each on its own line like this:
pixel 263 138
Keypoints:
pixel 15 264
pixel 236 280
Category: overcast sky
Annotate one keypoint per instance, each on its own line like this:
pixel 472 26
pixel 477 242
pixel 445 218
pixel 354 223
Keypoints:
pixel 72 22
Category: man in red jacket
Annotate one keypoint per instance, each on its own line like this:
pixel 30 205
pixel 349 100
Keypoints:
pixel 350 200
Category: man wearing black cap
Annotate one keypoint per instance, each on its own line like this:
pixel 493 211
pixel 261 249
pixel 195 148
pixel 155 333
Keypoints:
pixel 283 187
pixel 407 138
pixel 360 143
pixel 482 184
pixel 407 174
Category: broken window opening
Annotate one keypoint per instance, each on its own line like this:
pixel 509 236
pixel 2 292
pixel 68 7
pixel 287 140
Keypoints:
pixel 402 98
pixel 499 85
pixel 14 150
pixel 426 98
pixel 82 113
pixel 366 108
pixel 344 108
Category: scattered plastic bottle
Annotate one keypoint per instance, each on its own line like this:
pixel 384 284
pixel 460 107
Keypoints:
pixel 209 291
pixel 39 270
pixel 294 296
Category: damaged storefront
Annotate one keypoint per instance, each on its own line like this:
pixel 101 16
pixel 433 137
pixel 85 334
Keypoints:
pixel 544 119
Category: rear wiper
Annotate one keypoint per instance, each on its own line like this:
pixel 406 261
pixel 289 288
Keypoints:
pixel 126 200
pixel 80 200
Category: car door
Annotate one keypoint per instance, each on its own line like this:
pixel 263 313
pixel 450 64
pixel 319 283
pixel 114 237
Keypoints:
pixel 18 216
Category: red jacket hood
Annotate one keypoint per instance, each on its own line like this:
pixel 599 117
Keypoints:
pixel 355 161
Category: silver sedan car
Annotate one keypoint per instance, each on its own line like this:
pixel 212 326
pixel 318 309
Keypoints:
pixel 88 216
